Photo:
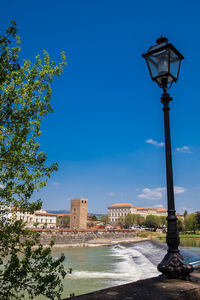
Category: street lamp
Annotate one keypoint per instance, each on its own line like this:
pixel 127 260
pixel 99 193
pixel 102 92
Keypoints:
pixel 163 61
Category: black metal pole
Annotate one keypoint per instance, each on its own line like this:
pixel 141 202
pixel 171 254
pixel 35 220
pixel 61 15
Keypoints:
pixel 172 264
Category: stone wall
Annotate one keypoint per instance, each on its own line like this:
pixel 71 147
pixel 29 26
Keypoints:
pixel 84 237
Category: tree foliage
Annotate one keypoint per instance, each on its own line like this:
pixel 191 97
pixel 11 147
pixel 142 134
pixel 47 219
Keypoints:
pixel 25 92
pixel 94 218
pixel 191 222
pixel 63 221
pixel 129 220
pixel 121 221
pixel 152 222
pixel 104 219
pixel 180 224
pixel 198 218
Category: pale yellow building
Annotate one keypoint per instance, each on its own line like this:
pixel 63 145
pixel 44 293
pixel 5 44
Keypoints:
pixel 118 210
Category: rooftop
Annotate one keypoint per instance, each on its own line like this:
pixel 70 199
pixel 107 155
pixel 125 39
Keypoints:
pixel 147 208
pixel 122 205
pixel 62 215
pixel 44 214
pixel 161 209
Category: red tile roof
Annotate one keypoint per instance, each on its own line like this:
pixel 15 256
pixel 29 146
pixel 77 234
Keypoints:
pixel 146 208
pixel 44 214
pixel 61 215
pixel 121 205
pixel 161 209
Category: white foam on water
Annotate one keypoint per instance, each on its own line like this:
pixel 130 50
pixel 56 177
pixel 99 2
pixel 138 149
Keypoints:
pixel 132 266
pixel 90 275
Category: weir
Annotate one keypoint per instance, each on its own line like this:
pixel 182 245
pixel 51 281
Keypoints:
pixel 149 289
pixel 130 273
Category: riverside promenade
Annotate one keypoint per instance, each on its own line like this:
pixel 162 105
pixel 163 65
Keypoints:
pixel 149 289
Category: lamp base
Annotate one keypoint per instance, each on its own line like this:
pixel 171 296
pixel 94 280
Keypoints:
pixel 173 266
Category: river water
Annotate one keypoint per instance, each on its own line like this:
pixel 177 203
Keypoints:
pixel 101 267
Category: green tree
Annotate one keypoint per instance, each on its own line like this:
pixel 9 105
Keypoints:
pixel 104 219
pixel 94 218
pixel 135 219
pixel 35 224
pixel 63 221
pixel 25 92
pixel 185 213
pixel 152 222
pixel 191 222
pixel 198 218
pixel 162 221
pixel 140 220
pixel 180 224
pixel 129 220
pixel 121 221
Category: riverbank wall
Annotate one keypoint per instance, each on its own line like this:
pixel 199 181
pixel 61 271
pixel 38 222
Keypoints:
pixel 84 238
pixel 149 289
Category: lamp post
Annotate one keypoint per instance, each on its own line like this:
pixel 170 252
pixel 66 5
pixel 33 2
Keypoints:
pixel 163 61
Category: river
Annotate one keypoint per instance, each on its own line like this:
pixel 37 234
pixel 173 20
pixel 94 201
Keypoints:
pixel 101 267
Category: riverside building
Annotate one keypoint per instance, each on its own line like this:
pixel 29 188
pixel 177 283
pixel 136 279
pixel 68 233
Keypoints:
pixel 39 219
pixel 118 210
pixel 45 219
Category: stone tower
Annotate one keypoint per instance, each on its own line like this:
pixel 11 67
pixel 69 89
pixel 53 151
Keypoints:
pixel 78 218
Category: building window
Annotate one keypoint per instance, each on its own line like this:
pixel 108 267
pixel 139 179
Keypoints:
pixel 74 217
pixel 74 208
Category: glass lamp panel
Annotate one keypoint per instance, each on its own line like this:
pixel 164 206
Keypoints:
pixel 153 66
pixel 174 64
pixel 168 78
pixel 158 63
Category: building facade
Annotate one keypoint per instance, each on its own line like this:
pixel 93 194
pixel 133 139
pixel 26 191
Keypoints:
pixel 39 219
pixel 78 218
pixel 145 211
pixel 45 219
pixel 118 210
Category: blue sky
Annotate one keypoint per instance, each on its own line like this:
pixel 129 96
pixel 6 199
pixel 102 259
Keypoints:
pixel 106 131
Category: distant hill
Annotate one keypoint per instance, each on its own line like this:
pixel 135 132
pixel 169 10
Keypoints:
pixel 64 211
pixel 56 212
